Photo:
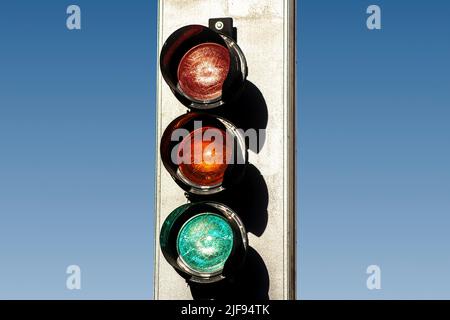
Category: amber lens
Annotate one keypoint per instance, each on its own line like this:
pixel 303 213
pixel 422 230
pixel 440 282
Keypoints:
pixel 203 70
pixel 208 159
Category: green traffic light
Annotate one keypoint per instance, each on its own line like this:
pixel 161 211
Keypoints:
pixel 205 242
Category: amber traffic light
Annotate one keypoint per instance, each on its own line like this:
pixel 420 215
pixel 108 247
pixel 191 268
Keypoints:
pixel 204 154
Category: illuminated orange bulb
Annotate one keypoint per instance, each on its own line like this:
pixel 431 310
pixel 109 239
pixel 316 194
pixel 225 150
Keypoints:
pixel 208 159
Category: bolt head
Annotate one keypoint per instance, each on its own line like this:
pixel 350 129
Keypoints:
pixel 219 25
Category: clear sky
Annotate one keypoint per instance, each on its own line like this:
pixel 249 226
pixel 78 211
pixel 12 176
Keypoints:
pixel 374 149
pixel 77 145
pixel 77 149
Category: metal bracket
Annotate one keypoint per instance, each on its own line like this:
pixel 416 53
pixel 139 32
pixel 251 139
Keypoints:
pixel 224 26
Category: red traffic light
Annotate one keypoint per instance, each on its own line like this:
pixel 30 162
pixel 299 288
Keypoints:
pixel 204 154
pixel 203 68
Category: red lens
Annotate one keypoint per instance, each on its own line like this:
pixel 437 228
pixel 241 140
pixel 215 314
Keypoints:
pixel 209 166
pixel 203 70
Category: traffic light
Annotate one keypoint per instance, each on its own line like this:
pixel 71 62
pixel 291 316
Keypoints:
pixel 225 218
pixel 204 154
pixel 204 68
pixel 205 242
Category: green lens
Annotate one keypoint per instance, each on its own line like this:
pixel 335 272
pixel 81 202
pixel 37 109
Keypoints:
pixel 205 243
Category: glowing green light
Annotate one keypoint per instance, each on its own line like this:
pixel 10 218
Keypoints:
pixel 205 243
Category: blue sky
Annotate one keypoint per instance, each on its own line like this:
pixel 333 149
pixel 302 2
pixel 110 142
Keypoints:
pixel 77 143
pixel 77 149
pixel 374 149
